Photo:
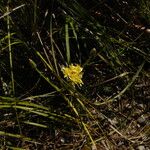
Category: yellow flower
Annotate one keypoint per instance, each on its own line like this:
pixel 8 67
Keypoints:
pixel 74 73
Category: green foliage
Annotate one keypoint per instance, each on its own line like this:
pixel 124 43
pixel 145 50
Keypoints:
pixel 39 108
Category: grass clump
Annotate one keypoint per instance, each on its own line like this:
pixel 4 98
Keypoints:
pixel 48 49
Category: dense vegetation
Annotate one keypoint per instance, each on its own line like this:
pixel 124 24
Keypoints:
pixel 42 107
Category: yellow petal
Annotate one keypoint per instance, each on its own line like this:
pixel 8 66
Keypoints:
pixel 74 73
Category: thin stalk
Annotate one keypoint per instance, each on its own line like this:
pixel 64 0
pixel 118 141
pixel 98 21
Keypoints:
pixel 10 54
pixel 111 99
pixel 8 13
pixel 76 38
pixel 35 11
pixel 52 47
pixel 90 136
pixel 47 56
pixel 11 65
pixel 67 43
pixel 2 133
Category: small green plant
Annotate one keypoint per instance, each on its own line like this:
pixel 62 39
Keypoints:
pixel 73 75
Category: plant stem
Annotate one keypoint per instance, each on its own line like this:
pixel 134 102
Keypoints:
pixel 10 54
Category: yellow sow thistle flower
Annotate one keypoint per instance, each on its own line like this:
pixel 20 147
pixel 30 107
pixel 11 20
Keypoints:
pixel 74 73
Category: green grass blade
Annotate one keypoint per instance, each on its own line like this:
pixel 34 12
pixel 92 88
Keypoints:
pixel 42 75
pixel 35 124
pixel 76 38
pixel 9 12
pixel 67 43
pixel 90 136
pixel 10 54
pixel 131 82
pixel 125 89
pixel 2 133
pixel 14 148
pixel 35 12
pixel 52 47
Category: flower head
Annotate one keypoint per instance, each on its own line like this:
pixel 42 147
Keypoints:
pixel 74 73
